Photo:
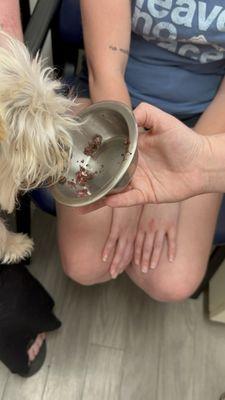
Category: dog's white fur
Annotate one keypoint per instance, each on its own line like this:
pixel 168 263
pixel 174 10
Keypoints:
pixel 36 124
pixel 14 247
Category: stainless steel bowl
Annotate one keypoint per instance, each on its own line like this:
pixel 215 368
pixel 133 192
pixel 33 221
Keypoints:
pixel 110 167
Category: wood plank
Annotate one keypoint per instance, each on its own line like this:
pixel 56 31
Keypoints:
pixel 177 350
pixel 4 376
pixel 68 362
pixel 140 364
pixel 103 373
pixel 111 314
pixel 209 360
pixel 116 343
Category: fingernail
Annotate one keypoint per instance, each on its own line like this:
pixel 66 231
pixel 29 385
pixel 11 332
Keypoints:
pixel 153 266
pixel 114 275
pixel 104 258
pixel 171 259
pixel 144 270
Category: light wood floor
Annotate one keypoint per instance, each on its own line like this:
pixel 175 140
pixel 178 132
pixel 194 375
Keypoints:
pixel 116 343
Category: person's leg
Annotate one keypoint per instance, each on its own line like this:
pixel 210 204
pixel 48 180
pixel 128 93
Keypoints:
pixel 178 280
pixel 81 239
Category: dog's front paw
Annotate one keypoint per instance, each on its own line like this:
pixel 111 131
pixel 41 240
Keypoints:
pixel 18 247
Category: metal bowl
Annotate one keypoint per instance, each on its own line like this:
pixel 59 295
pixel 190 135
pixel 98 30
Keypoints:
pixel 104 155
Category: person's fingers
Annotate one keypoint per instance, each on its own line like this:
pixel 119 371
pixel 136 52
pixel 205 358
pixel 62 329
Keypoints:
pixel 157 249
pixel 115 264
pixel 138 246
pixel 147 251
pixel 172 237
pixel 154 119
pixel 43 335
pixel 144 115
pixel 31 355
pixel 109 246
pixel 36 350
pixel 38 341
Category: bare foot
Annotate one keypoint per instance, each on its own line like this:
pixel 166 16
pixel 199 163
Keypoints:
pixel 34 349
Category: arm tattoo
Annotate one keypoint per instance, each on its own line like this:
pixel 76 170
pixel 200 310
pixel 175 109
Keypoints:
pixel 114 48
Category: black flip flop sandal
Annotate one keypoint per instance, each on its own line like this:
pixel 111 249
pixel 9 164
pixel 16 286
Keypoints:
pixel 36 364
pixel 25 311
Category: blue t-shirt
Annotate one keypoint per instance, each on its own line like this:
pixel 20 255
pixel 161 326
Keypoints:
pixel 177 55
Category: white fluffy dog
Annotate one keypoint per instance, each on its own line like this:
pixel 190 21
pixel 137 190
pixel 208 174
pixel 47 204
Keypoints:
pixel 35 127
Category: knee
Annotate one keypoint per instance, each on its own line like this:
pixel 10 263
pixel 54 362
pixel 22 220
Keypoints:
pixel 172 288
pixel 78 271
pixel 174 293
pixel 77 275
pixel 83 267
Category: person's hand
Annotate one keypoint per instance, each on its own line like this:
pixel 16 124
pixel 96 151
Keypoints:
pixel 120 241
pixel 169 167
pixel 157 225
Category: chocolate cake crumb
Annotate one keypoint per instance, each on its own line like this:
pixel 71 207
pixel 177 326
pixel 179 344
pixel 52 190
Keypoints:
pixel 93 145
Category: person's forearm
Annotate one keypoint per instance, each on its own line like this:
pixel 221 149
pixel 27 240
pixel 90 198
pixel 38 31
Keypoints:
pixel 10 21
pixel 107 30
pixel 212 120
pixel 108 86
pixel 213 163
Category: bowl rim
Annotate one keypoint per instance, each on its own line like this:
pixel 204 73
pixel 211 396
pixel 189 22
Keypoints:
pixel 127 113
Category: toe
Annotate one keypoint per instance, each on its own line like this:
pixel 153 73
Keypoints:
pixel 35 347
